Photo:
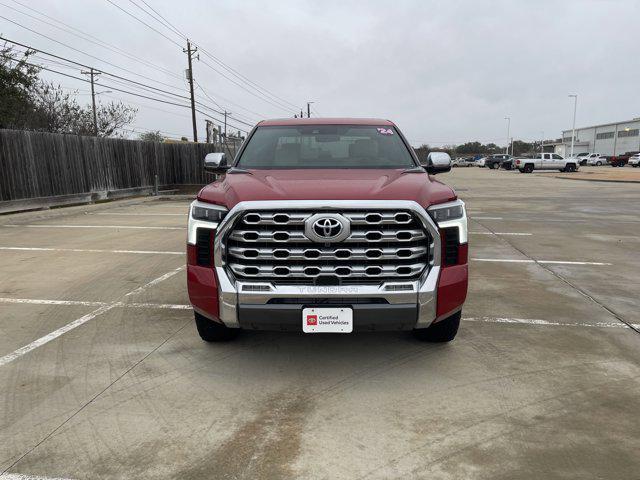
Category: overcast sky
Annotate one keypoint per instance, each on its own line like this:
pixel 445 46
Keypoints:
pixel 445 72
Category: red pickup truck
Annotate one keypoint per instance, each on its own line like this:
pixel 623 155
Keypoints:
pixel 327 226
pixel 620 160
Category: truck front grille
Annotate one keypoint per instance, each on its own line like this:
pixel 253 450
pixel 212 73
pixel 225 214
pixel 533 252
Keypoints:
pixel 383 245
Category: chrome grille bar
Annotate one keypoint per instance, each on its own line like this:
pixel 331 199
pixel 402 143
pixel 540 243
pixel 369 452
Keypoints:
pixel 384 244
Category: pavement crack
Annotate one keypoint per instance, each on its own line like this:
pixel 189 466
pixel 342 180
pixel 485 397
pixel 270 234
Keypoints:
pixel 94 398
pixel 567 282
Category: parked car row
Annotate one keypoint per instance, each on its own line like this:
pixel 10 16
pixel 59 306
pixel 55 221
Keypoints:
pixel 597 159
pixel 548 161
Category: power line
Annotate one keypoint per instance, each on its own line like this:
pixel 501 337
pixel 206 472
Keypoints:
pixel 122 80
pixel 144 23
pixel 259 115
pixel 274 100
pixel 87 66
pixel 247 80
pixel 84 53
pixel 264 99
pixel 160 19
pixel 125 91
pixel 88 37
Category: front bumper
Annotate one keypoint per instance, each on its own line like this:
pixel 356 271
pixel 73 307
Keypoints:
pixel 397 305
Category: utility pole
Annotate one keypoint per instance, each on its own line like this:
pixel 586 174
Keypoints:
pixel 309 109
pixel 573 131
pixel 190 54
pixel 508 119
pixel 225 122
pixel 93 74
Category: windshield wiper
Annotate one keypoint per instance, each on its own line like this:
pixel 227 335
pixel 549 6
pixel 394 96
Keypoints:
pixel 414 170
pixel 233 170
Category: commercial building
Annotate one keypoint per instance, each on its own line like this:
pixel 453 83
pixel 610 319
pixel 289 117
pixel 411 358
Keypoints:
pixel 607 139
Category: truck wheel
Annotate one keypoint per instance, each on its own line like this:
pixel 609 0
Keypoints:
pixel 443 331
pixel 528 168
pixel 570 168
pixel 211 331
pixel 491 166
pixel 599 163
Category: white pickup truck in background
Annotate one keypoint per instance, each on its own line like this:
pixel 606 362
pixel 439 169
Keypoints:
pixel 546 161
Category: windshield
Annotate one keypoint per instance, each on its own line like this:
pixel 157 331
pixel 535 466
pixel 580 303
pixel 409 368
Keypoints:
pixel 325 146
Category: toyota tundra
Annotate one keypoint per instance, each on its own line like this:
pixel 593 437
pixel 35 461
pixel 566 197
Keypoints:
pixel 327 226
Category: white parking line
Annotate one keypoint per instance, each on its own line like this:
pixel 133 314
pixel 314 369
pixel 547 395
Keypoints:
pixel 485 218
pixel 517 234
pixel 82 303
pixel 80 321
pixel 53 335
pixel 86 250
pixel 133 227
pixel 555 262
pixel 143 214
pixel 534 321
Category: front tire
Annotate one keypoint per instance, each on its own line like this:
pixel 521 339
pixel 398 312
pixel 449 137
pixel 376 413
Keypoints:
pixel 528 168
pixel 570 168
pixel 211 331
pixel 599 164
pixel 492 166
pixel 442 331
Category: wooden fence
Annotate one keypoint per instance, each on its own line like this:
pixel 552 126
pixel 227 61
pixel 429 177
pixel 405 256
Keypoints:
pixel 53 169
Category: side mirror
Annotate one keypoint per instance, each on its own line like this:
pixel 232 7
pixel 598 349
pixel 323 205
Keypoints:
pixel 216 162
pixel 437 162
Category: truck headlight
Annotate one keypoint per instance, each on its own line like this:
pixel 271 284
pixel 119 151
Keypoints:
pixel 203 216
pixel 447 211
pixel 207 213
pixel 451 215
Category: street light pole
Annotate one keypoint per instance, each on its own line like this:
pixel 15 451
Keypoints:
pixel 309 109
pixel 573 130
pixel 508 119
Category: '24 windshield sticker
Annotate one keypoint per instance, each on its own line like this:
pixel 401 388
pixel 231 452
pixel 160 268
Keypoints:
pixel 385 131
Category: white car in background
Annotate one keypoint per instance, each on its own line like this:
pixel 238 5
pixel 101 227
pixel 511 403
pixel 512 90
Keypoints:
pixel 481 162
pixel 634 160
pixel 595 159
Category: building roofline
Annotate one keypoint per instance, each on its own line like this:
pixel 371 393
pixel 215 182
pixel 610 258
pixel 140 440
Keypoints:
pixel 637 119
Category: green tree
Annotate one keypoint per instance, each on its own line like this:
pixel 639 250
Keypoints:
pixel 17 80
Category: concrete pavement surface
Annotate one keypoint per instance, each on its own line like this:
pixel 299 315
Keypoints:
pixel 102 373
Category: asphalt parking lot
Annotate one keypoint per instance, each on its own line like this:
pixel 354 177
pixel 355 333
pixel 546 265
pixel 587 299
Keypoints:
pixel 103 374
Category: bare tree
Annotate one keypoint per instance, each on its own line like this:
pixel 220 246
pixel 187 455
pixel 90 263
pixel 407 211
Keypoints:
pixel 152 136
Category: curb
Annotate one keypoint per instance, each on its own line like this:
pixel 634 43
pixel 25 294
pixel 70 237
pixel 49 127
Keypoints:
pixel 597 180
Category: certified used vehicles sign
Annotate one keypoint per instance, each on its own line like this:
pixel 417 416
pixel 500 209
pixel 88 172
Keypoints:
pixel 327 320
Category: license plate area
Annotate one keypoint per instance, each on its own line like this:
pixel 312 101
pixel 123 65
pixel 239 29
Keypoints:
pixel 327 320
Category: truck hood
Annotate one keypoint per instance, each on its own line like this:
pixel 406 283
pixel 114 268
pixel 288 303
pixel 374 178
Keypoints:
pixel 322 184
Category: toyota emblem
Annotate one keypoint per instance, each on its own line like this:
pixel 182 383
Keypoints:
pixel 327 228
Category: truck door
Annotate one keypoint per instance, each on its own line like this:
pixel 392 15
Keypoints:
pixel 557 161
pixel 547 162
